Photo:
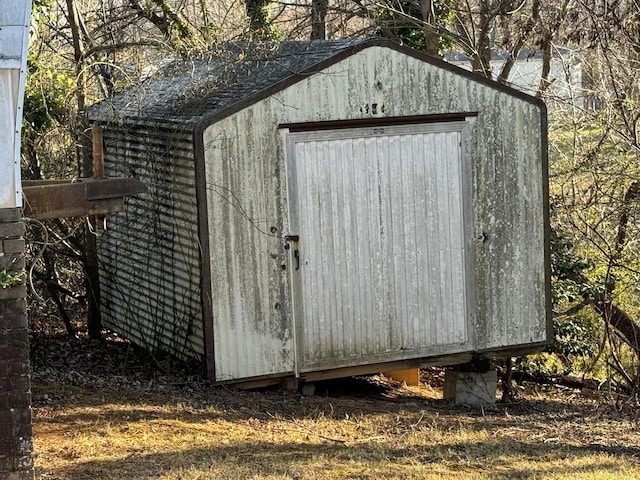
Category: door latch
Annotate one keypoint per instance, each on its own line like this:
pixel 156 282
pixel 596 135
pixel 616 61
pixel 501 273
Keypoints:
pixel 293 240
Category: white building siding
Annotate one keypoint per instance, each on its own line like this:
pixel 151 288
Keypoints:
pixel 252 329
pixel 14 31
pixel 565 77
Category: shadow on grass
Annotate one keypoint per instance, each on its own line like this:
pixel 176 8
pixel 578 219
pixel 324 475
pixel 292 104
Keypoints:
pixel 366 461
pixel 500 457
pixel 345 399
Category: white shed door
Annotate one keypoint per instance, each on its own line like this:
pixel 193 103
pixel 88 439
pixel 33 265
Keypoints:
pixel 380 269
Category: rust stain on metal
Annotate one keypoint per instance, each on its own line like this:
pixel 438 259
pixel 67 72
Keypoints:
pixel 53 199
pixel 98 158
pixel 100 221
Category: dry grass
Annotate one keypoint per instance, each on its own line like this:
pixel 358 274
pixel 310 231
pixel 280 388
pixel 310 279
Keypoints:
pixel 371 431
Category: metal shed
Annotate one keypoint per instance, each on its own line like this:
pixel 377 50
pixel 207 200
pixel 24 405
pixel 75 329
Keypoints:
pixel 321 209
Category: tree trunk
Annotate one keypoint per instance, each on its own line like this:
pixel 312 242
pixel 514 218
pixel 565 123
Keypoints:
pixel 506 378
pixel 318 19
pixel 525 34
pixel 83 140
pixel 481 56
pixel 94 317
pixel 85 169
pixel 258 18
pixel 546 67
pixel 621 321
pixel 431 36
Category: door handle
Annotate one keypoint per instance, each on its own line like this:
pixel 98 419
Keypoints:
pixel 293 240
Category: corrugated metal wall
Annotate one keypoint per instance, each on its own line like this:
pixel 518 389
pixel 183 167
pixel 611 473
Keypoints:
pixel 384 256
pixel 149 255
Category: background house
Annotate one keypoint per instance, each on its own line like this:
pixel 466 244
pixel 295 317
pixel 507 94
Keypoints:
pixel 566 82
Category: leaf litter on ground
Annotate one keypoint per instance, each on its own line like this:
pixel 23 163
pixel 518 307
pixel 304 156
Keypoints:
pixel 109 410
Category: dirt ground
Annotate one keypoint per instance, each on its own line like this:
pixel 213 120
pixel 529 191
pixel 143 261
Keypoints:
pixel 106 410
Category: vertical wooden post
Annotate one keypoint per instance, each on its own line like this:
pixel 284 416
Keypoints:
pixel 98 157
pixel 97 224
pixel 98 170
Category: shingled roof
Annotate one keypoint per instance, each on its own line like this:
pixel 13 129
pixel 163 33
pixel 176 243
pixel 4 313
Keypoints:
pixel 190 92
pixel 186 91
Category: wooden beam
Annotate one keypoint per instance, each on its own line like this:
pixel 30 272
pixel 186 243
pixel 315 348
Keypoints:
pixel 78 199
pixel 98 155
pixel 442 360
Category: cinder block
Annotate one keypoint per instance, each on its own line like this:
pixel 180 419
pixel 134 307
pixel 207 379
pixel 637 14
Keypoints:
pixel 15 336
pixel 6 425
pixel 12 230
pixel 10 315
pixel 13 263
pixel 470 388
pixel 14 245
pixel 16 351
pixel 23 430
pixel 8 215
pixel 13 313
pixel 15 368
pixel 13 293
pixel 15 421
pixel 19 401
pixel 6 463
pixel 20 385
pixel 289 383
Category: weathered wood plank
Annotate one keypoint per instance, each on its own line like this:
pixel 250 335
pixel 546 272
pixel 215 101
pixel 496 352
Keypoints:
pixel 79 199
pixel 113 188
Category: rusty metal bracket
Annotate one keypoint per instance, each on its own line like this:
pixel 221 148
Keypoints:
pixel 93 197
pixel 86 197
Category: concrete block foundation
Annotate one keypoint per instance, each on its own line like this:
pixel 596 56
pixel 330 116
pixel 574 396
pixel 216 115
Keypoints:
pixel 16 461
pixel 470 388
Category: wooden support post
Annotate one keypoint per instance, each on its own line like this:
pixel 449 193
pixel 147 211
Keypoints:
pixel 409 376
pixel 95 227
pixel 100 221
pixel 98 157
pixel 94 318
